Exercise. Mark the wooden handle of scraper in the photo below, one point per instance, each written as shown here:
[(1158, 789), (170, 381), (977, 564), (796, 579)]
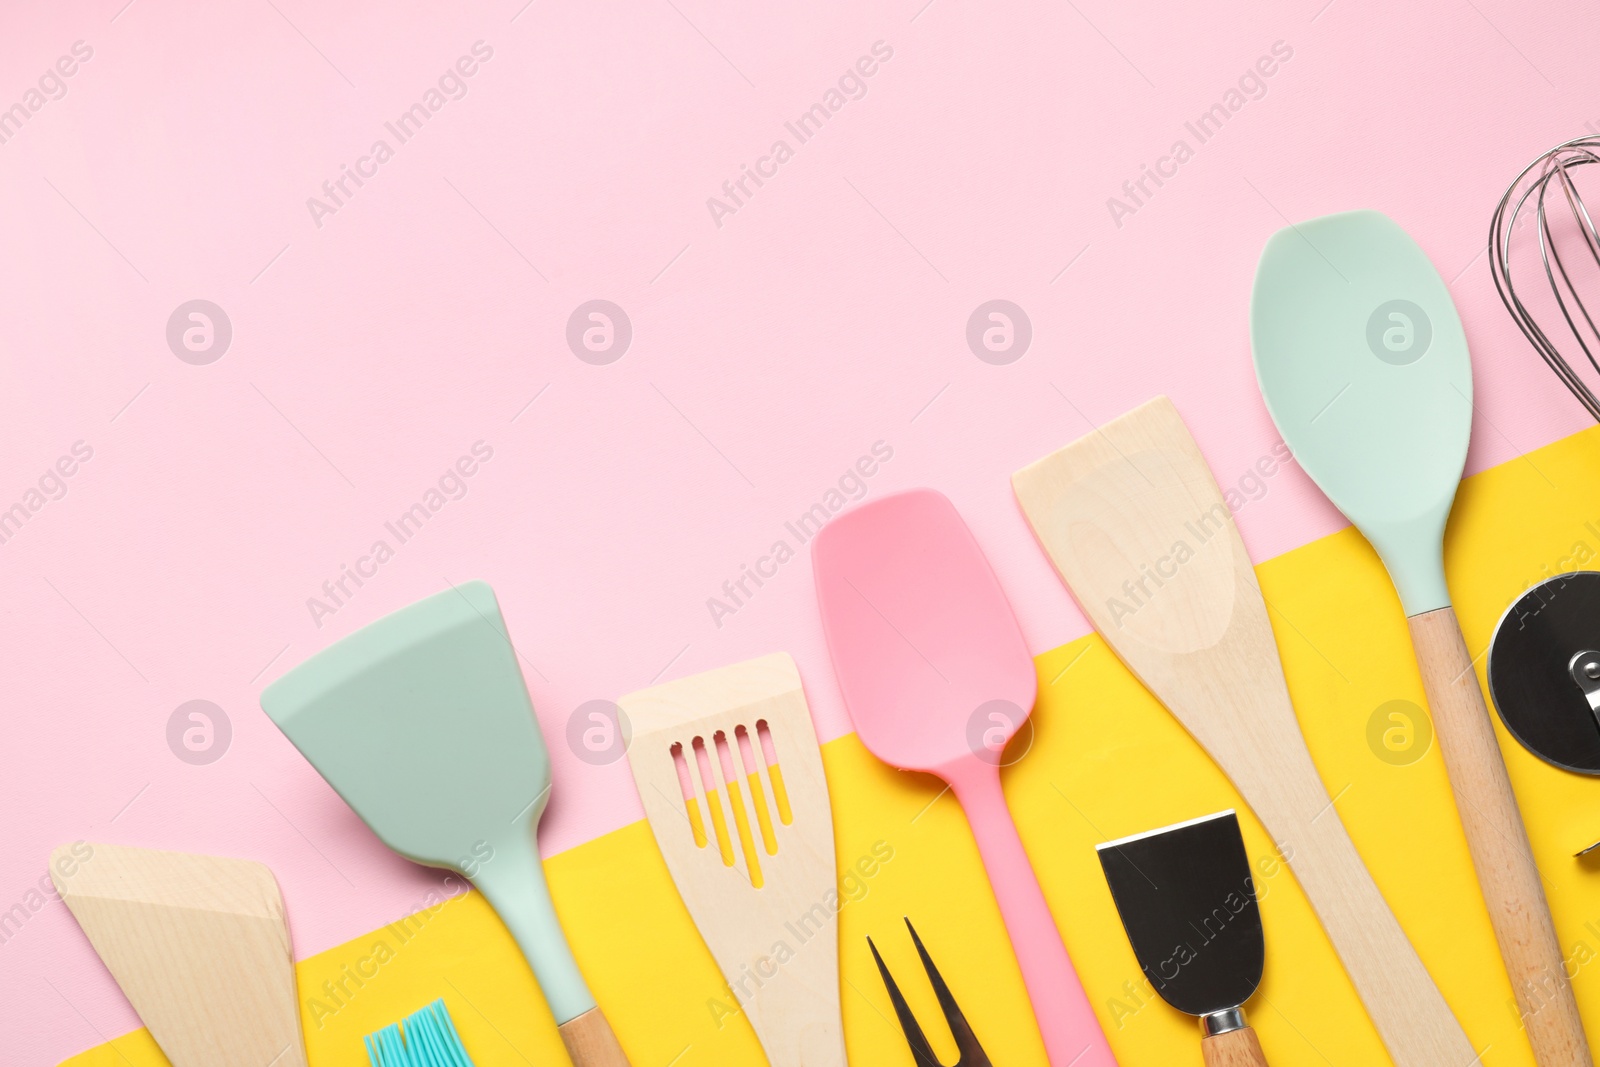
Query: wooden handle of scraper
[(1236, 1048), (1498, 842), (590, 1042)]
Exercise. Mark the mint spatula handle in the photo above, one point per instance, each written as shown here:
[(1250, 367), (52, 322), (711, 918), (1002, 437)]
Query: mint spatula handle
[(1498, 842), (513, 882), (1072, 1035)]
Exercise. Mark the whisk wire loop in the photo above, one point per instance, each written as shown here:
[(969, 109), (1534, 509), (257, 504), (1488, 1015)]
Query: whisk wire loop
[(1533, 184)]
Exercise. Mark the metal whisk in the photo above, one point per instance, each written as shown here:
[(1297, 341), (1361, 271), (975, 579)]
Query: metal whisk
[(1532, 191)]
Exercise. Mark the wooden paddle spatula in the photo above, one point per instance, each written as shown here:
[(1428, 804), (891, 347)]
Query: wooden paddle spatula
[(199, 946), (1135, 524), (422, 723), (730, 775), (1364, 366)]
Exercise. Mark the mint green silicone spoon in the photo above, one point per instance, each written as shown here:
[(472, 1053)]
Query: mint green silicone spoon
[(422, 723), (1364, 367)]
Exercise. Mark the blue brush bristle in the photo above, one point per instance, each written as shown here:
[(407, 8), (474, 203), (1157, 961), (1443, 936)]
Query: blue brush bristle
[(427, 1038)]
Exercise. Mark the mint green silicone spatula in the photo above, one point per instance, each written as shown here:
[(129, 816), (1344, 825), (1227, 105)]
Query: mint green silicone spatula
[(422, 723), (1364, 367)]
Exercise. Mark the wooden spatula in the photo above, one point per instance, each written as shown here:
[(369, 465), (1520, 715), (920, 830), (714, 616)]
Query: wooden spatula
[(1137, 528), (731, 779), (199, 946)]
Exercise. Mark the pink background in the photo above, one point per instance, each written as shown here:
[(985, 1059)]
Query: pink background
[(768, 354)]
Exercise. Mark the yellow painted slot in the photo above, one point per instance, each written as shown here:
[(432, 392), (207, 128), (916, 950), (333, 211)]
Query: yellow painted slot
[(769, 840), (758, 798), (697, 825), (708, 784), (736, 801), (780, 795)]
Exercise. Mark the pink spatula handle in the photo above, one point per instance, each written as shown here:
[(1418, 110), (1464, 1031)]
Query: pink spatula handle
[(1072, 1035)]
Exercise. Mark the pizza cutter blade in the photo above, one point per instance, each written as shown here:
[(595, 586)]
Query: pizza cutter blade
[(1544, 672)]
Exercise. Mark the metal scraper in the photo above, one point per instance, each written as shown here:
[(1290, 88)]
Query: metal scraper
[(1189, 905)]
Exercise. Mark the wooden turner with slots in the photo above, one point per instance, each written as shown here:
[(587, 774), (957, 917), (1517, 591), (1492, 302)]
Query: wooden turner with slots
[(731, 778)]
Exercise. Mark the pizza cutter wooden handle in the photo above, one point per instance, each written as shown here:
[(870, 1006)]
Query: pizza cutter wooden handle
[(1498, 842), (1236, 1048), (590, 1042)]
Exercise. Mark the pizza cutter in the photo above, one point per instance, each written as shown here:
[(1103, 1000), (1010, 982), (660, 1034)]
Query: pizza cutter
[(1544, 672)]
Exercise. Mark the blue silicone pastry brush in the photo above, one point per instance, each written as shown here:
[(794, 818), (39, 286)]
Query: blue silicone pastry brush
[(427, 1038)]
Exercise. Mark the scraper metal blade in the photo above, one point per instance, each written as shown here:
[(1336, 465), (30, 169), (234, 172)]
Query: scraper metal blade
[(1188, 902)]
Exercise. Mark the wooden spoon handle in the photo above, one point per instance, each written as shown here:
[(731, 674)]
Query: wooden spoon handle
[(590, 1042), (1498, 842), (1236, 1048)]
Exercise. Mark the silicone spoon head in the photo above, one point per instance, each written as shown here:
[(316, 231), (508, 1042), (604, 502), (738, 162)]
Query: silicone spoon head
[(928, 654), (422, 723), (1363, 364)]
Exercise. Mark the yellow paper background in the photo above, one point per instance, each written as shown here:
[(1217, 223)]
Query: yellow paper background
[(1106, 760)]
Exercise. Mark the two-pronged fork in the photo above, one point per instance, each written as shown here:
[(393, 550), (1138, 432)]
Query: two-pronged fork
[(972, 1054)]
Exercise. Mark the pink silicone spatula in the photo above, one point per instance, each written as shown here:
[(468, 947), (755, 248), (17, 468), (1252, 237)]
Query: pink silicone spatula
[(936, 676)]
